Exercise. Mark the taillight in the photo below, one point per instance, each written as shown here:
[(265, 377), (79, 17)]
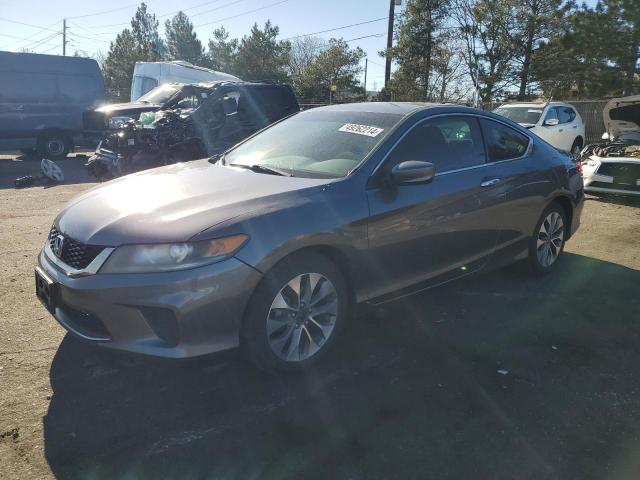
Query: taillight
[(579, 167)]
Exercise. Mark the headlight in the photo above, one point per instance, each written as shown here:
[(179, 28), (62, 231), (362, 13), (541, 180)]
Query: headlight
[(118, 122), (171, 256)]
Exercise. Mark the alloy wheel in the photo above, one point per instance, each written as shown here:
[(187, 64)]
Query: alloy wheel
[(302, 317), (550, 238)]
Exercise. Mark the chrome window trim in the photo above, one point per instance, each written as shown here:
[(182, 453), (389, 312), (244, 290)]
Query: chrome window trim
[(526, 153), (90, 269)]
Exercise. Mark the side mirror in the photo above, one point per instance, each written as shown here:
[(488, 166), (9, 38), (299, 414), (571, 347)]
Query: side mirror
[(412, 172), (230, 105), (552, 122)]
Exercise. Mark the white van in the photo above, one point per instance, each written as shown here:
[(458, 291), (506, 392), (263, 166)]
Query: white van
[(148, 75)]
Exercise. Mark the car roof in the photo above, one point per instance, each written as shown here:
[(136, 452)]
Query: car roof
[(397, 108)]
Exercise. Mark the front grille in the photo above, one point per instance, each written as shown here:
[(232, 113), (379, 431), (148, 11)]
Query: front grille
[(631, 170), (75, 254)]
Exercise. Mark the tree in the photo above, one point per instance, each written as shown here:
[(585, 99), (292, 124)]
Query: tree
[(535, 21), (597, 55), (260, 56), (417, 39), (118, 66), (222, 52), (303, 52), (182, 41), (339, 65), (144, 28), (488, 47), (140, 43)]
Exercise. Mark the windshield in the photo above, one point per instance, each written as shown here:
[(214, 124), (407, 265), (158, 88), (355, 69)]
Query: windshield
[(529, 115), (315, 143), (160, 94)]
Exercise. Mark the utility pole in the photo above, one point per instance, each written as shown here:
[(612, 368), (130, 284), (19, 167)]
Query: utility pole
[(387, 67), (64, 37), (366, 65)]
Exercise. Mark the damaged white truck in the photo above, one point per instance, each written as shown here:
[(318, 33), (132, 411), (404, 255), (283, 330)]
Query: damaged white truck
[(613, 165)]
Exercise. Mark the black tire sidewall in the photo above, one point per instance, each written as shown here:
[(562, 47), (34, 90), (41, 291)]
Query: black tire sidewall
[(254, 342), (43, 149), (534, 262)]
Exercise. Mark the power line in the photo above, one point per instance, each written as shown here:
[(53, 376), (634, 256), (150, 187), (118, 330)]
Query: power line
[(338, 28), (27, 24), (106, 11), (243, 13), (31, 44), (30, 37), (366, 36), (166, 14), (49, 49)]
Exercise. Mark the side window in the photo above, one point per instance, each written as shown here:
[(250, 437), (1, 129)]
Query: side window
[(449, 143), (566, 114), (503, 143), (552, 114)]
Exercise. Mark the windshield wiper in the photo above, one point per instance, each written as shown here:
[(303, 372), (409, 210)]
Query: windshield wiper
[(262, 169)]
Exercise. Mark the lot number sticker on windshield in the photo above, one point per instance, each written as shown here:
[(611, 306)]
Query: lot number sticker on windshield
[(361, 129)]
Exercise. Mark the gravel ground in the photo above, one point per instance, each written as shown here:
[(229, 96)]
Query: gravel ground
[(499, 376)]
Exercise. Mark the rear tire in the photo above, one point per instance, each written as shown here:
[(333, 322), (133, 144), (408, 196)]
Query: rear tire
[(285, 330), (547, 242), (54, 146)]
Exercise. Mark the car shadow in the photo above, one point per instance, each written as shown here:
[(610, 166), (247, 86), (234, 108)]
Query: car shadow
[(495, 376)]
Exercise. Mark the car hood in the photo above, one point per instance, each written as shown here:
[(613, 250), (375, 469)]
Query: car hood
[(132, 106), (174, 203), (622, 116)]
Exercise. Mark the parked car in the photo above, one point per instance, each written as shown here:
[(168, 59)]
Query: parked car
[(559, 124), (270, 246), (149, 75), (190, 122), (42, 98), (613, 165)]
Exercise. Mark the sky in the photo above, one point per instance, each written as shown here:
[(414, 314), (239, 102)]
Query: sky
[(92, 24)]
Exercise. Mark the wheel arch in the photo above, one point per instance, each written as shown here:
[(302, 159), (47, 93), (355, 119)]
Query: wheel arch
[(567, 205), (579, 139)]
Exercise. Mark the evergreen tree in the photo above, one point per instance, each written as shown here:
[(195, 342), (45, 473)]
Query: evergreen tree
[(182, 42)]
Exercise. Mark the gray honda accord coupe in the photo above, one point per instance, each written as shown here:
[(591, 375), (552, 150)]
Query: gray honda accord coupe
[(270, 246)]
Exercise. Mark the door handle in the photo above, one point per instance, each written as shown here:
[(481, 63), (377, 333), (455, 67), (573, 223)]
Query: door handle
[(489, 183)]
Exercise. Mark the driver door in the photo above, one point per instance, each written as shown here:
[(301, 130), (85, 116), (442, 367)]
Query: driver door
[(447, 226)]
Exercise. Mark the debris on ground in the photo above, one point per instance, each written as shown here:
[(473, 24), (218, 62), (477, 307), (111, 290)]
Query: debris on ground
[(502, 371), (14, 433), (50, 173)]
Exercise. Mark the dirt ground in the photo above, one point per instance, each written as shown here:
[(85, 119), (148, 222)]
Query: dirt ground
[(499, 376)]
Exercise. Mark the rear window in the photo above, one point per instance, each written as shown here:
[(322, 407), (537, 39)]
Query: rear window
[(503, 143)]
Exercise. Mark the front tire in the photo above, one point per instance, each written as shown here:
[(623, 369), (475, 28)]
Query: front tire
[(295, 314), (547, 242)]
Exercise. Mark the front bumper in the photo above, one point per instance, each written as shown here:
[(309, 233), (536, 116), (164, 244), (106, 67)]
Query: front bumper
[(598, 175), (170, 314)]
